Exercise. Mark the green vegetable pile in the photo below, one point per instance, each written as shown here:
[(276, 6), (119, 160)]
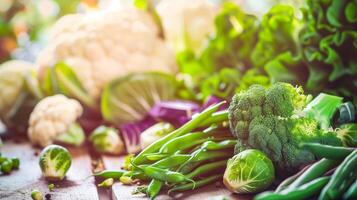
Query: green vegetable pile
[(316, 51), (8, 164), (184, 159), (332, 177)]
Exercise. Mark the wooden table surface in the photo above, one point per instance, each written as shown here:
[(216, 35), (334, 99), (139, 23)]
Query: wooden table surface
[(77, 185)]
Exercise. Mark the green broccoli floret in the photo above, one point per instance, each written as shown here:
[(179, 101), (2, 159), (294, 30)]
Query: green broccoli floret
[(244, 107), (270, 120)]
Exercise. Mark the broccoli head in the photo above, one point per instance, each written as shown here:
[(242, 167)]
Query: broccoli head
[(269, 120), (281, 99)]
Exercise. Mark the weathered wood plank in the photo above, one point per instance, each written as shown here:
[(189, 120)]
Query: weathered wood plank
[(120, 191), (20, 183)]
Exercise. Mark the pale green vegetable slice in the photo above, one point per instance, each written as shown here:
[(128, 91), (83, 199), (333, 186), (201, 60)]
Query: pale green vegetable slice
[(130, 98)]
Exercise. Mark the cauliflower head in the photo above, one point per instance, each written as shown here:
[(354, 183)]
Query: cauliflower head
[(104, 45), (187, 22), (12, 82), (51, 117)]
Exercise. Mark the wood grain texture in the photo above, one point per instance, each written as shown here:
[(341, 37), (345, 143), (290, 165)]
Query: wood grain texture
[(120, 191), (20, 183)]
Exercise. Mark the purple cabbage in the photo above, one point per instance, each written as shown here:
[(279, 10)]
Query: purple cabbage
[(211, 100), (174, 112), (131, 133)]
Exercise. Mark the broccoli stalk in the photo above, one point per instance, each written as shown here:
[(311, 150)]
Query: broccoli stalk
[(323, 108)]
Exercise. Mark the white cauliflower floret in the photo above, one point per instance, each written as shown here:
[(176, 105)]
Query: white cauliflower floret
[(187, 22), (51, 117), (105, 45)]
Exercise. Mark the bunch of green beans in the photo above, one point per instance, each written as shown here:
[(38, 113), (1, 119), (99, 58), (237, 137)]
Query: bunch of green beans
[(185, 159), (315, 181)]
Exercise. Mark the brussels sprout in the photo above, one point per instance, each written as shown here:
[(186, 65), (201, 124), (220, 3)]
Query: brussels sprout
[(36, 195), (250, 171), (154, 133), (106, 140), (55, 162)]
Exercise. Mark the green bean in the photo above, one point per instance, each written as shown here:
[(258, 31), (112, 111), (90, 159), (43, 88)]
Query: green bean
[(327, 151), (211, 145), (351, 192), (176, 160), (217, 117), (156, 156), (154, 188), (304, 191), (163, 175), (116, 174), (204, 169), (200, 183), (290, 180), (171, 161), (202, 152), (333, 189), (185, 142), (316, 170), (189, 126)]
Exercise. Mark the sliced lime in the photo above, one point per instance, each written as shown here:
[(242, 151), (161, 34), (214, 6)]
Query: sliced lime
[(130, 98)]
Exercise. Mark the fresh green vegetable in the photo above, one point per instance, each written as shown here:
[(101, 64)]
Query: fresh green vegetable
[(6, 166), (305, 191), (328, 43), (106, 183), (115, 174), (351, 192), (130, 98), (347, 113), (36, 195), (189, 126), (163, 175), (154, 188), (275, 35), (266, 119), (335, 187), (207, 168), (197, 184), (250, 171), (189, 140), (348, 134), (15, 163), (315, 171), (106, 140), (323, 108), (285, 183), (55, 161), (51, 187), (327, 151), (74, 135)]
